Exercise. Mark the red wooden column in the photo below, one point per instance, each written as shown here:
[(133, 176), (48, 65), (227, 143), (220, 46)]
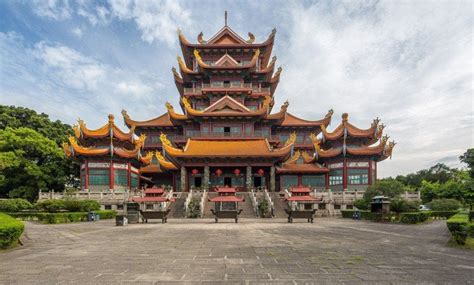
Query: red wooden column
[(344, 175), (327, 180), (129, 176), (370, 172), (86, 169), (111, 175)]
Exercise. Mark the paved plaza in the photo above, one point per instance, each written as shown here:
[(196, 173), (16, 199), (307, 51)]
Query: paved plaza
[(330, 251)]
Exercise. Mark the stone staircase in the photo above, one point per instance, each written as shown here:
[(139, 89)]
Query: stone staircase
[(247, 207), (280, 205), (177, 208)]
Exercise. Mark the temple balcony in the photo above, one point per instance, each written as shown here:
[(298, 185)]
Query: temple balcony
[(226, 87), (179, 139)]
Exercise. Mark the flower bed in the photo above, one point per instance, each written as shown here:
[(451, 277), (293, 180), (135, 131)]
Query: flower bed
[(10, 231)]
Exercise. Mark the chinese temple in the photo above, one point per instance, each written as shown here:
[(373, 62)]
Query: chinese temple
[(226, 131)]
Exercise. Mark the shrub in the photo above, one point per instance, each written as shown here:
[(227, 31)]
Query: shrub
[(471, 216), (459, 227), (263, 208), (399, 205), (443, 214), (444, 205), (89, 205), (50, 206), (14, 205), (10, 230), (194, 208), (347, 214), (414, 218), (106, 214), (362, 204), (73, 205)]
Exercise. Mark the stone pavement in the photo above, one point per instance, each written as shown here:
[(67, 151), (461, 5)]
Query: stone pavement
[(330, 251)]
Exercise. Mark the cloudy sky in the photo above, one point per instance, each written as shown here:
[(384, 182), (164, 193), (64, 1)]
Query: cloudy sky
[(408, 62)]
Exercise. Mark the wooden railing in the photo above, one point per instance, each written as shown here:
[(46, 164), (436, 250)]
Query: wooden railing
[(231, 86)]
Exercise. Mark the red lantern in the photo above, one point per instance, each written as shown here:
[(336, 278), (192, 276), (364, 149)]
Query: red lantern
[(237, 172), (218, 172), (261, 172), (194, 172)]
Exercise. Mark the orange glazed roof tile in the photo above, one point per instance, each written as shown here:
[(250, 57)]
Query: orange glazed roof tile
[(292, 120), (301, 168), (160, 121), (352, 130), (226, 148)]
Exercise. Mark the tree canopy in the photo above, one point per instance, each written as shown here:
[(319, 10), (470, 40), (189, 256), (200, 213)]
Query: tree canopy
[(31, 158)]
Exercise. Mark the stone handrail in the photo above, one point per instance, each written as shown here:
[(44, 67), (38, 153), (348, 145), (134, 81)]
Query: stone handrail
[(269, 200), (188, 200), (253, 199), (203, 202)]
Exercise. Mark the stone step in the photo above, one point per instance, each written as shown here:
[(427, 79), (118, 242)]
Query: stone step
[(280, 205), (177, 208)]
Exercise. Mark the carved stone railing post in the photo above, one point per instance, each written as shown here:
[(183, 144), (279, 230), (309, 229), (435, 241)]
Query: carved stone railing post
[(248, 178), (183, 178), (272, 179)]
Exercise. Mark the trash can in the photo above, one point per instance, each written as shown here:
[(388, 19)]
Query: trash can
[(121, 220), (91, 217), (356, 215), (97, 217)]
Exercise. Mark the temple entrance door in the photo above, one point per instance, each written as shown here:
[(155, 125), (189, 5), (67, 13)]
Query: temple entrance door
[(228, 181), (257, 181), (197, 181)]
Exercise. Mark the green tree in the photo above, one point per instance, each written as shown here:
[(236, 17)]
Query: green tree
[(387, 187), (29, 162), (468, 158), (17, 117)]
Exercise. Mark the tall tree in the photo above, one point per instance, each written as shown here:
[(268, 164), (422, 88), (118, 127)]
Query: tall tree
[(29, 162), (468, 158)]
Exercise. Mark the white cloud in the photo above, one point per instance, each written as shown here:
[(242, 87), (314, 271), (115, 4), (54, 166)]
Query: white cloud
[(408, 63), (77, 32), (56, 79), (157, 20), (54, 9)]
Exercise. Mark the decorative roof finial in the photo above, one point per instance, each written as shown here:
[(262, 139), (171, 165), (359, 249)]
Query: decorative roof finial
[(225, 18)]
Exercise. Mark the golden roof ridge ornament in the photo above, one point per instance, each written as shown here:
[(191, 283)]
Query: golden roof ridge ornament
[(200, 39), (251, 39), (291, 139), (164, 140)]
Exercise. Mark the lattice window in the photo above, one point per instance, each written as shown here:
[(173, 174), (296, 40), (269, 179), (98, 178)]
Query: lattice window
[(314, 180), (99, 177), (335, 177), (358, 176), (120, 177)]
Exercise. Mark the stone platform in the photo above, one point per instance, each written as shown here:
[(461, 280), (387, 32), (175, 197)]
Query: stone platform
[(330, 251)]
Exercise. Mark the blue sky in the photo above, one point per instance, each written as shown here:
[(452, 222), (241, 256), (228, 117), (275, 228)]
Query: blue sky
[(406, 62)]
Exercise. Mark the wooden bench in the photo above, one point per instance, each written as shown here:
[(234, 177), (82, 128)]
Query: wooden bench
[(155, 215), (309, 215), (226, 215)]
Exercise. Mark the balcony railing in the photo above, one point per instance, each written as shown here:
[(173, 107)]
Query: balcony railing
[(223, 135), (227, 86)]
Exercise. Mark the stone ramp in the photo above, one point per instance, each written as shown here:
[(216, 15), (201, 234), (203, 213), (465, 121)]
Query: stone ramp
[(280, 205), (247, 207), (177, 208)]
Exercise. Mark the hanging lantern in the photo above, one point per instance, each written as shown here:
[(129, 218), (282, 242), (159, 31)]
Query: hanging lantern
[(194, 172), (261, 172), (218, 172), (237, 172)]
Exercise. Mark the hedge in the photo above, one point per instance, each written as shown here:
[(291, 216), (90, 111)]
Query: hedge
[(10, 231), (14, 205), (414, 218), (443, 214), (59, 218), (460, 227), (70, 205), (406, 218)]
